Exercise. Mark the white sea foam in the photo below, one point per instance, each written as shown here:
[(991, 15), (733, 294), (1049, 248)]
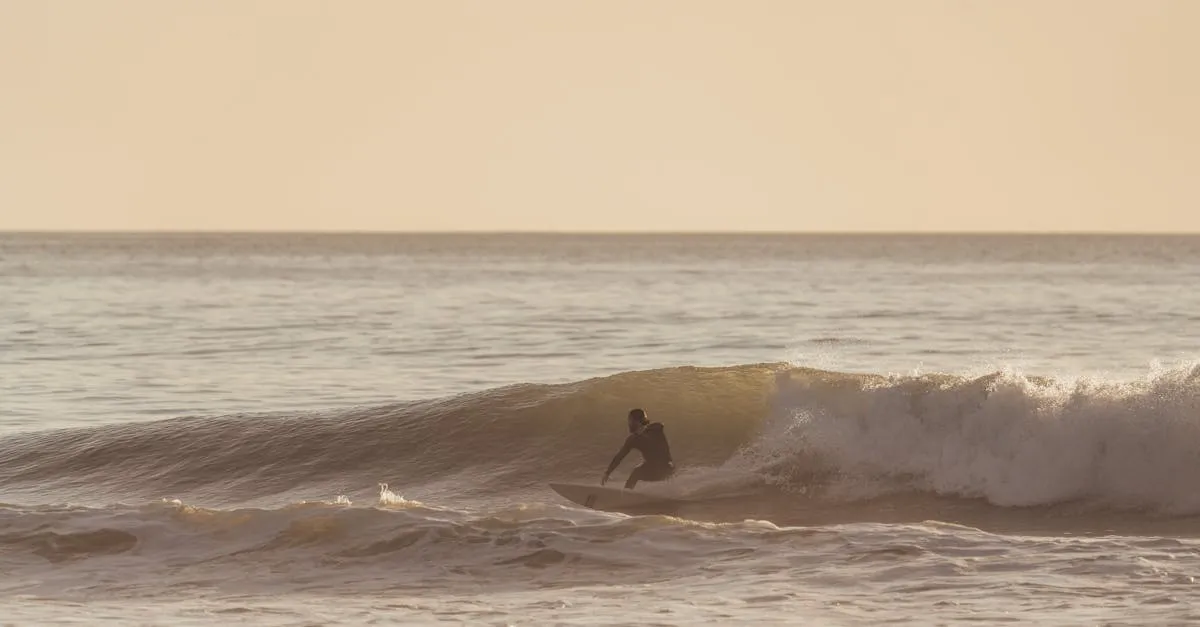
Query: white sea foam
[(1010, 439)]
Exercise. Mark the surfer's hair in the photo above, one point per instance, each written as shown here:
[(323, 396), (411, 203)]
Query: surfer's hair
[(638, 415)]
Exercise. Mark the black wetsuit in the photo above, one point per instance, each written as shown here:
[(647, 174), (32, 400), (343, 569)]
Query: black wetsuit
[(651, 442)]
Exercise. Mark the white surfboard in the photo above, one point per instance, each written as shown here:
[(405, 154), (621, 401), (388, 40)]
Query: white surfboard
[(605, 498)]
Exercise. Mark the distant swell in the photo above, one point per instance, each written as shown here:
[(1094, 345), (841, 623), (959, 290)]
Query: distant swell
[(782, 433)]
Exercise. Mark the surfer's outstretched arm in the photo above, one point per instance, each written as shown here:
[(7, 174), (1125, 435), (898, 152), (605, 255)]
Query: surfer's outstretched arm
[(616, 461)]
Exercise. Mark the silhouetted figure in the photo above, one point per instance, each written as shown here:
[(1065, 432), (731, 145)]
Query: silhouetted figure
[(648, 438)]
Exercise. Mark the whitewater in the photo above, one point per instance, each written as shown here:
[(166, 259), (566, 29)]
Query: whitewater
[(302, 429)]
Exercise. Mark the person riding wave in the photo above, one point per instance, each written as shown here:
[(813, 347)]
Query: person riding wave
[(648, 438)]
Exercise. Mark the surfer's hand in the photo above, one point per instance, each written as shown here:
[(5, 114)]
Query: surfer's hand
[(604, 479)]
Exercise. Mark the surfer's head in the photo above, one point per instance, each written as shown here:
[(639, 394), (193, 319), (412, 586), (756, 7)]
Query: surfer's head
[(637, 420)]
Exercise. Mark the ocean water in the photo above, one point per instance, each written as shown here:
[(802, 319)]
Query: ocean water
[(358, 429)]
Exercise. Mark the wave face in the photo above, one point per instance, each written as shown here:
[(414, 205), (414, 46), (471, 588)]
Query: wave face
[(493, 442), (775, 435)]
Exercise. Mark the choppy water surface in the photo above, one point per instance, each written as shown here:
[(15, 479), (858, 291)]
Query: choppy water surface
[(927, 429)]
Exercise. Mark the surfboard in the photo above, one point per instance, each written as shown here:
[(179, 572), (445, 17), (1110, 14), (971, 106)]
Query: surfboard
[(611, 499)]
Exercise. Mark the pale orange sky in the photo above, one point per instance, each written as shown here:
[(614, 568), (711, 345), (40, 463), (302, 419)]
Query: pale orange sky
[(840, 115)]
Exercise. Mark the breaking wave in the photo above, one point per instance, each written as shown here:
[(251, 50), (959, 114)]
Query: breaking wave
[(769, 432)]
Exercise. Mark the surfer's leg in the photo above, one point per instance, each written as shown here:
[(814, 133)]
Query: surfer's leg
[(649, 473)]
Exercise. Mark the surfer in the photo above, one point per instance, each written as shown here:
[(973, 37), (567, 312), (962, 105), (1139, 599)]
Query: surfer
[(648, 438)]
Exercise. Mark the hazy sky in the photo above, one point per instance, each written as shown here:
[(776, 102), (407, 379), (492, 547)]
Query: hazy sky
[(602, 114)]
